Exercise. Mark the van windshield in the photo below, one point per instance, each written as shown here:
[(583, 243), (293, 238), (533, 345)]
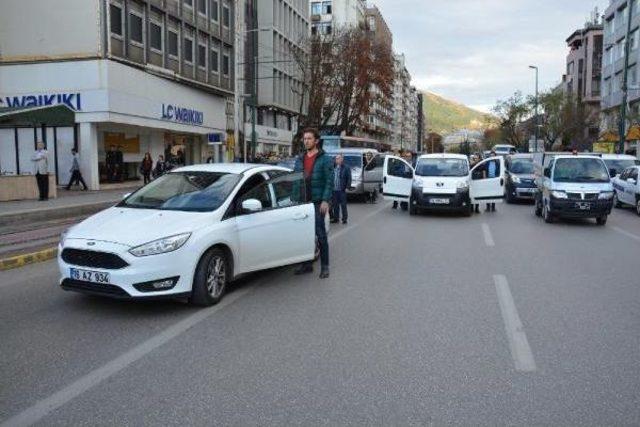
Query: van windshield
[(580, 170), (522, 167), (442, 167)]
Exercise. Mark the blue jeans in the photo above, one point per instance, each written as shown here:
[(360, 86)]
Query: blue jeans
[(340, 203), (321, 235)]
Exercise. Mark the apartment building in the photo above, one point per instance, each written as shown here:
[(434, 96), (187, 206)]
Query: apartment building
[(615, 37), (405, 107), (328, 15), (274, 40), (138, 75)]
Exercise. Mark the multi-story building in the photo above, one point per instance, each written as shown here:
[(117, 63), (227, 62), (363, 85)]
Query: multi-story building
[(274, 43), (329, 15), (405, 100), (137, 75), (584, 71), (615, 38)]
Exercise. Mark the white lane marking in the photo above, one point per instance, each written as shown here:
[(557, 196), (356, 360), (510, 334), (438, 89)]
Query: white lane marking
[(488, 238), (520, 349), (42, 408), (626, 233)]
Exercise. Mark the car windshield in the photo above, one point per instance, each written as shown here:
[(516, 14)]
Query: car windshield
[(580, 170), (442, 167), (184, 191), (522, 167), (616, 166)]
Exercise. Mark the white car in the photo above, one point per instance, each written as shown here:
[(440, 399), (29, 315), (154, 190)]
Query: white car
[(443, 182), (190, 232), (627, 188)]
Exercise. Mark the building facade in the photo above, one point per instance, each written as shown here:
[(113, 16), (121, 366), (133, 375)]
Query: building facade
[(140, 76), (329, 15), (275, 34), (405, 108), (615, 38)]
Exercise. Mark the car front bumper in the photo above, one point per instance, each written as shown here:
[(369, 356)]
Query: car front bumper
[(137, 278), (523, 191), (578, 208), (457, 201)]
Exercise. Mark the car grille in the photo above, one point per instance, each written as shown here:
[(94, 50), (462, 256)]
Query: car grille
[(94, 288), (93, 259), (578, 196)]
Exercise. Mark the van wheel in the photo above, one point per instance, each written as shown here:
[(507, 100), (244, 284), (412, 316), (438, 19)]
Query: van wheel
[(638, 207), (601, 220), (546, 214), (538, 210), (211, 278)]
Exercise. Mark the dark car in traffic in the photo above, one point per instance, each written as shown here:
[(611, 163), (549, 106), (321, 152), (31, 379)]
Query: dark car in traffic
[(520, 178)]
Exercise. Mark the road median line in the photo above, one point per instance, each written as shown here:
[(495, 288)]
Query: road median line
[(18, 261)]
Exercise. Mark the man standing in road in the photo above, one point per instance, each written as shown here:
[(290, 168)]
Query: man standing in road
[(41, 164), (341, 181), (76, 175), (492, 173), (318, 177)]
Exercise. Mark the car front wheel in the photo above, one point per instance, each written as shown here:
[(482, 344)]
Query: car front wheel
[(210, 281)]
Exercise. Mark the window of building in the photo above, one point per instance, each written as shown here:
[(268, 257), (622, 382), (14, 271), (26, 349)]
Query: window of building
[(634, 40), (188, 50), (155, 36), (226, 16), (135, 28), (215, 61), (115, 19), (172, 43), (188, 3), (225, 64), (314, 30), (316, 8), (633, 76), (202, 56), (202, 7), (215, 10), (326, 7)]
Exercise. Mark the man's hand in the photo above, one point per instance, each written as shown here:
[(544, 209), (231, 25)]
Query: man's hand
[(324, 208)]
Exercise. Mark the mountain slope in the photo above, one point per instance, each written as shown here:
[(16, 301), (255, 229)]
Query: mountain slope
[(445, 116)]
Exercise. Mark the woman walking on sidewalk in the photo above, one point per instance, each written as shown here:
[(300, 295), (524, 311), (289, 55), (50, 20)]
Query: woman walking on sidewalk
[(146, 167)]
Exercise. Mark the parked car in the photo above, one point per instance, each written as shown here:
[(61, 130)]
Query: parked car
[(366, 170), (504, 149), (574, 187), (520, 178), (616, 163), (191, 232), (443, 182), (627, 188)]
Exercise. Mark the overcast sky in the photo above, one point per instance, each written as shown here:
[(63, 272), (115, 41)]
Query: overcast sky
[(478, 51)]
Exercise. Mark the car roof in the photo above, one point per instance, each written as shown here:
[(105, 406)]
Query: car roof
[(352, 151), (571, 156), (618, 156), (234, 168), (521, 156), (443, 156)]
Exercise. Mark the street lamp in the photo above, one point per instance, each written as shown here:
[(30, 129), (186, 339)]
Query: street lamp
[(533, 67)]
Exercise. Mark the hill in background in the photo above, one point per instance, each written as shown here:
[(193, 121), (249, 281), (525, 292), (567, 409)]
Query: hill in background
[(445, 116)]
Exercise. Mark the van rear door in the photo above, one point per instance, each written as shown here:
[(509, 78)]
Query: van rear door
[(487, 181)]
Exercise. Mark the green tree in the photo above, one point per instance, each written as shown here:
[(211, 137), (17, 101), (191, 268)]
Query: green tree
[(511, 113)]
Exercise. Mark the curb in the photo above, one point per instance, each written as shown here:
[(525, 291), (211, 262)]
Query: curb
[(54, 213), (26, 259)]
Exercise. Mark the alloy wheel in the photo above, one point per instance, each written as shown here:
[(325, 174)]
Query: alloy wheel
[(216, 276)]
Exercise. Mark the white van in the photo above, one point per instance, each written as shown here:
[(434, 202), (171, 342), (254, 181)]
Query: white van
[(443, 182)]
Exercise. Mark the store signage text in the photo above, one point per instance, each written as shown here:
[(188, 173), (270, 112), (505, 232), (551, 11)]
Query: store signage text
[(71, 100), (182, 115)]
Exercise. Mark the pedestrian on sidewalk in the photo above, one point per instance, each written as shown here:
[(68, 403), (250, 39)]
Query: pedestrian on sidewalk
[(76, 175), (317, 169), (161, 167), (111, 161), (41, 166), (341, 182), (146, 167)]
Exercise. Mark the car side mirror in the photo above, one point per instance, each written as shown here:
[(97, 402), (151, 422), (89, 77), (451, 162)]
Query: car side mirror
[(251, 206), (547, 172), (124, 196)]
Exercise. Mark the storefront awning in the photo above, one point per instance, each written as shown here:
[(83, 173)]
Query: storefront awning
[(633, 134), (52, 115)]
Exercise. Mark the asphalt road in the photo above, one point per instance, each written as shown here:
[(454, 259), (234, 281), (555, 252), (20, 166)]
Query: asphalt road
[(498, 319)]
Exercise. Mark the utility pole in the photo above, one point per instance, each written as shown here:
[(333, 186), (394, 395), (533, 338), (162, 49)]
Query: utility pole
[(623, 106), (537, 130), (254, 112), (239, 49)]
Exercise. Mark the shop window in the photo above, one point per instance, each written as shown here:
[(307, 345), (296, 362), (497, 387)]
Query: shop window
[(172, 43), (188, 50), (115, 19), (135, 28), (155, 36)]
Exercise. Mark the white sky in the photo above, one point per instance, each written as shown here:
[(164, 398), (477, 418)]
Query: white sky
[(478, 51)]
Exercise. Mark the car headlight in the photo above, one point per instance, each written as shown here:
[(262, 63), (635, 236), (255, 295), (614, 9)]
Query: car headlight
[(559, 194), (161, 246), (606, 195), (516, 179), (462, 186)]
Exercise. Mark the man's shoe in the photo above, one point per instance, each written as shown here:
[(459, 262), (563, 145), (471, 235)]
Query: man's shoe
[(334, 221), (303, 269), (344, 221), (324, 274)]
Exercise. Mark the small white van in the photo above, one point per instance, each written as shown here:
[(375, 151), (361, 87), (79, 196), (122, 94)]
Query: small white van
[(443, 182)]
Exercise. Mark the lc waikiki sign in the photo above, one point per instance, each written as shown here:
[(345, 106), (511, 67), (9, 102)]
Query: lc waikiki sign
[(182, 115), (71, 100)]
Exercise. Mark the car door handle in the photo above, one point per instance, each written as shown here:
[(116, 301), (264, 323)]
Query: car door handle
[(501, 182), (300, 216), (385, 180)]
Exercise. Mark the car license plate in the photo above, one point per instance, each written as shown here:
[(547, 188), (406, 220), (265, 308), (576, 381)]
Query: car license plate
[(529, 190), (89, 276), (439, 201), (584, 206)]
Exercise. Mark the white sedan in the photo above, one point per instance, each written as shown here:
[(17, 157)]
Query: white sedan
[(190, 232)]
